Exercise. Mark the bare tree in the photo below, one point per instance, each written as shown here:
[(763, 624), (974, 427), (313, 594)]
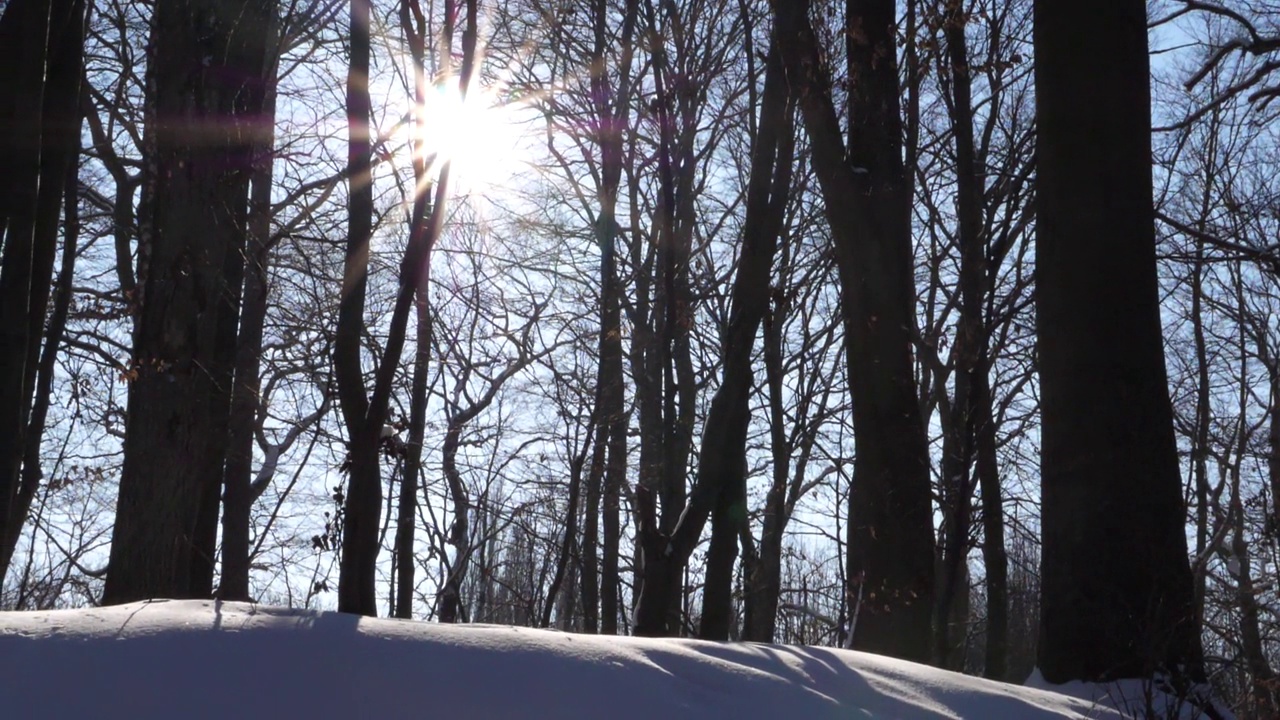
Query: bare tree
[(199, 158), (41, 129), (890, 527)]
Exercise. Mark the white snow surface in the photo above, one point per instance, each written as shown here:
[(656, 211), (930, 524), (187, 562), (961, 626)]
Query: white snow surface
[(198, 659)]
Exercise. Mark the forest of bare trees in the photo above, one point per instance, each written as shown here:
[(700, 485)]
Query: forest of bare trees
[(942, 329)]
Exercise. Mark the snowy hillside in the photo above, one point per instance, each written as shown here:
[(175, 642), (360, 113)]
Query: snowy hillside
[(195, 659)]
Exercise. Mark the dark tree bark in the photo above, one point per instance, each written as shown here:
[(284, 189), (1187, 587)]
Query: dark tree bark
[(32, 472), (459, 531), (205, 87), (1200, 441), (995, 558), (564, 561), (793, 434), (589, 554), (764, 582), (27, 272), (655, 376), (239, 489), (413, 23), (970, 349), (721, 482), (356, 592), (406, 513), (24, 29), (610, 463), (1116, 589), (365, 415), (890, 560), (728, 517), (1273, 444), (666, 387), (1262, 677)]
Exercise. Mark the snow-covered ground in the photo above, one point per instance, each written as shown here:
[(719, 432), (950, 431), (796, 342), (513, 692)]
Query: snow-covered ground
[(194, 659)]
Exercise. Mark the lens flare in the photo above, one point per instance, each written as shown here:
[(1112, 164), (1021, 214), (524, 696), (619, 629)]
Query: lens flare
[(477, 135)]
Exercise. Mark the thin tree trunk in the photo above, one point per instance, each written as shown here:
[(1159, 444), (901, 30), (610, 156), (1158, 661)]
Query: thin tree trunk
[(1239, 564), (356, 593), (564, 561), (1261, 674), (1273, 439), (612, 112), (239, 493), (667, 439), (32, 472), (764, 585), (450, 604), (414, 26), (365, 415), (663, 466), (995, 559), (970, 349), (406, 517), (615, 476), (721, 477), (614, 439), (590, 572), (1200, 443), (459, 531)]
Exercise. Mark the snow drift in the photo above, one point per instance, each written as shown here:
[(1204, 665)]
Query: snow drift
[(196, 659)]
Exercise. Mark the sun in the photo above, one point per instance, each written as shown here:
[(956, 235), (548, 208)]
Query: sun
[(477, 135)]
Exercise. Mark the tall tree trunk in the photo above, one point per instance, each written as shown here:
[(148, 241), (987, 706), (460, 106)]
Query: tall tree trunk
[(1262, 677), (414, 26), (364, 415), (667, 418), (450, 596), (612, 113), (203, 138), (24, 32), (356, 593), (613, 415), (615, 476), (1117, 596), (890, 532), (1273, 445), (1265, 689), (32, 472), (970, 349), (1200, 442), (239, 492), (1236, 553), (30, 270), (657, 397), (721, 483)]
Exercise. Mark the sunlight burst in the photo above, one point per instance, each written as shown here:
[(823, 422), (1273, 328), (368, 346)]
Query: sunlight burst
[(477, 135)]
